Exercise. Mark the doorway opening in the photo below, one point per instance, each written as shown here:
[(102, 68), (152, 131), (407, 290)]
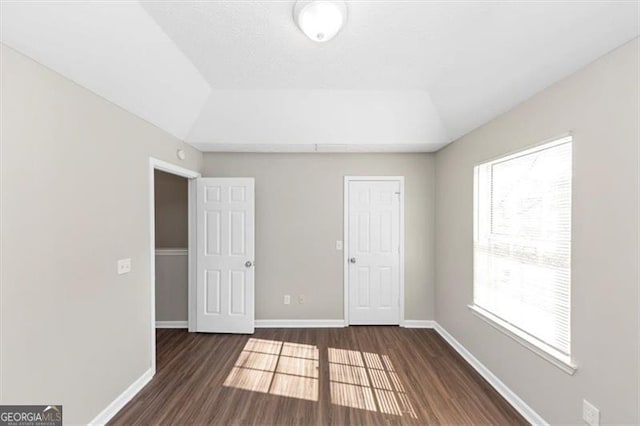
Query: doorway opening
[(172, 247), (374, 250)]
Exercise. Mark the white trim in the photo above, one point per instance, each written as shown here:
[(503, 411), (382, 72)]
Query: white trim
[(527, 412), (547, 353), (283, 323), (316, 148), (345, 253), (402, 195), (172, 324), (172, 168), (418, 324), (193, 247), (532, 147), (345, 238), (120, 401), (172, 252), (156, 164)]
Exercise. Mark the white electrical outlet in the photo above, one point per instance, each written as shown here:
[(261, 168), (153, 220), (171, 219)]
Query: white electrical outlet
[(124, 266), (301, 299), (338, 245), (287, 299), (590, 414)]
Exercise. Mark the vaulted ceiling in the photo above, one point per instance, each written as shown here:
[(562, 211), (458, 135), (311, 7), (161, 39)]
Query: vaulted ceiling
[(240, 76)]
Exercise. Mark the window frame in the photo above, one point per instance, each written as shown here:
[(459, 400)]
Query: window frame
[(539, 347)]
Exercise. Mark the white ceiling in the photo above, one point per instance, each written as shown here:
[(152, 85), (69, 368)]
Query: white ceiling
[(239, 75)]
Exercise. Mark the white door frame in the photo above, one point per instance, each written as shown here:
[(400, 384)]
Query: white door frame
[(347, 180), (156, 164)]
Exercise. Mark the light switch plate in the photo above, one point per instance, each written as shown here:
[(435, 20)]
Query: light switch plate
[(287, 299), (124, 266), (338, 245)]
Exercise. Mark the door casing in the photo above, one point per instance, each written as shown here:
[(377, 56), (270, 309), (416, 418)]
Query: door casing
[(347, 181), (156, 164)]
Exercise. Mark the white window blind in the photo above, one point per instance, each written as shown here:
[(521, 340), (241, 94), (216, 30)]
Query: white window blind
[(522, 243)]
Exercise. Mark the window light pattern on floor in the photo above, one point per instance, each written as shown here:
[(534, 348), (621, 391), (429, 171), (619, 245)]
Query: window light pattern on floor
[(367, 381), (277, 368)]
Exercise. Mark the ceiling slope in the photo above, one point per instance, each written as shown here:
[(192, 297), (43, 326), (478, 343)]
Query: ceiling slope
[(115, 50), (337, 118)]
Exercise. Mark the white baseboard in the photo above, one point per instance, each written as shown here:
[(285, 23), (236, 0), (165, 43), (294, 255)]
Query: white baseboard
[(299, 323), (330, 323), (418, 324), (527, 412), (126, 396), (172, 324)]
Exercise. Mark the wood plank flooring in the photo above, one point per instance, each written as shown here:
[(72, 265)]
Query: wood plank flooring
[(338, 376)]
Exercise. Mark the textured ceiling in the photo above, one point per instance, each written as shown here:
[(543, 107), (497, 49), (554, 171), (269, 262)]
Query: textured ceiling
[(409, 73), (391, 45)]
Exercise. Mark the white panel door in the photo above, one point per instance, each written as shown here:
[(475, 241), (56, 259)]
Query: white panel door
[(225, 239), (374, 252)]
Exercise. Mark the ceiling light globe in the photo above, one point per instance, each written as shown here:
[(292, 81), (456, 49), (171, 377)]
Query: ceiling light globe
[(320, 20)]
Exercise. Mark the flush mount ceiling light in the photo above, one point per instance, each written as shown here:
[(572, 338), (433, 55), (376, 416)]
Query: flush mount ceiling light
[(320, 20)]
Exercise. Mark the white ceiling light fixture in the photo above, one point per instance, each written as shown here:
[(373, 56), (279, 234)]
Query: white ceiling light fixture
[(320, 20)]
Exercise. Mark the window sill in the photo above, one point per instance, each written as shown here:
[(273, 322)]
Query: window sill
[(558, 359)]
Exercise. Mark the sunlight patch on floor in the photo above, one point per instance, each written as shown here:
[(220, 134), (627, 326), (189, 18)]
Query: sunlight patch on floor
[(367, 381), (278, 368), (362, 380)]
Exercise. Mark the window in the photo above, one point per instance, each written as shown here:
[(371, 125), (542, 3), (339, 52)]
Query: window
[(522, 246)]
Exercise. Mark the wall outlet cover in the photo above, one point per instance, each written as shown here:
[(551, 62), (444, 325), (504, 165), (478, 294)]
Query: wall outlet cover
[(124, 266), (590, 414)]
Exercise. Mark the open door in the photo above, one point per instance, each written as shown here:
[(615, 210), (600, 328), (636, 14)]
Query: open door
[(225, 255)]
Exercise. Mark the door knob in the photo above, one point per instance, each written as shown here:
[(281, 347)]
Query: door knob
[(352, 260), (248, 264)]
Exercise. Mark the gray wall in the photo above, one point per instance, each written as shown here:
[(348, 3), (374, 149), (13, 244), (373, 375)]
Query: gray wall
[(599, 104), (172, 210), (171, 221), (172, 286), (75, 199), (299, 217)]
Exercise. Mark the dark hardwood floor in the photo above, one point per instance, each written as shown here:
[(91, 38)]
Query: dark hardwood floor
[(338, 376)]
